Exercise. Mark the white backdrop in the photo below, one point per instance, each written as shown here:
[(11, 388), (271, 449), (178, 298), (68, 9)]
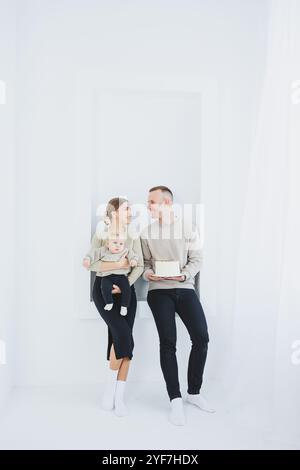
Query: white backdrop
[(190, 44)]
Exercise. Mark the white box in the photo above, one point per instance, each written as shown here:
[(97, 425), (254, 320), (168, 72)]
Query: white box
[(167, 268)]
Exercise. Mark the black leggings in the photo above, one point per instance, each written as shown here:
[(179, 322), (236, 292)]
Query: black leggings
[(119, 327), (120, 280), (163, 304)]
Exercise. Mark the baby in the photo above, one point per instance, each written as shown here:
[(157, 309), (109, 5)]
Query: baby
[(113, 250)]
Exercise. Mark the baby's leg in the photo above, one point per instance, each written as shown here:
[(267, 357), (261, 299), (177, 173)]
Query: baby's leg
[(125, 294), (106, 288)]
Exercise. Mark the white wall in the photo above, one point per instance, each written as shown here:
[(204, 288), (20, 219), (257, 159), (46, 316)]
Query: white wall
[(61, 40), (7, 209)]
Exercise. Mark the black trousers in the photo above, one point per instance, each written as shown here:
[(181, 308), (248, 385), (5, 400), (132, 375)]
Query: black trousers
[(163, 304), (107, 285), (119, 327)]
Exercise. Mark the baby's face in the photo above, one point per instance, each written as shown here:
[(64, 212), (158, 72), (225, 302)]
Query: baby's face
[(116, 245)]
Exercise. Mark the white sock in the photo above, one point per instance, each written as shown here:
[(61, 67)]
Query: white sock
[(109, 389), (120, 407), (176, 415), (123, 311), (108, 306), (199, 400)]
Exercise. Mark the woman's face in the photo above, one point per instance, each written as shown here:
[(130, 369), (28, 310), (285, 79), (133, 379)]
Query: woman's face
[(124, 213)]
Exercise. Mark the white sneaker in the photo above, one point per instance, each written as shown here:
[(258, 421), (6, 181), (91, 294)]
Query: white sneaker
[(199, 401)]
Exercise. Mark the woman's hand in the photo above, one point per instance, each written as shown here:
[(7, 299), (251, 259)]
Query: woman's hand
[(116, 289), (86, 262)]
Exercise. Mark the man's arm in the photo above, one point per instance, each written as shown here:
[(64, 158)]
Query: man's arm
[(148, 266), (194, 256)]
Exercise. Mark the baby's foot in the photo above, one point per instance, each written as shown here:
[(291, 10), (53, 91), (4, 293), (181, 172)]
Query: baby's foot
[(123, 311), (108, 306)]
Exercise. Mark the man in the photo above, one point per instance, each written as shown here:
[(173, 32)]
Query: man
[(169, 238)]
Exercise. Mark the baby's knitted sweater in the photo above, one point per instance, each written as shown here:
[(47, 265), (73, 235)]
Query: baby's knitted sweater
[(103, 253)]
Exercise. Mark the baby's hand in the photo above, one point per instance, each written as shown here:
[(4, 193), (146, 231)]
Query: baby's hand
[(86, 262), (133, 263)]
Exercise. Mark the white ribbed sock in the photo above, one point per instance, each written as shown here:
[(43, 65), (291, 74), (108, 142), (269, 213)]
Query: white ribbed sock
[(120, 407), (109, 389), (200, 402), (108, 306), (176, 415)]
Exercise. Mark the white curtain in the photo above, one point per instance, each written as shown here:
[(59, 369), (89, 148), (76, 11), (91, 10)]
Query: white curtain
[(264, 375)]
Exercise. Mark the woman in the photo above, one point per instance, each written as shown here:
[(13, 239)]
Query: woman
[(120, 339)]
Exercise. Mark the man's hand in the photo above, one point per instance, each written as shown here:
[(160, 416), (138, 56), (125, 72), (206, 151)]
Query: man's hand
[(116, 289), (176, 278), (151, 277), (123, 263)]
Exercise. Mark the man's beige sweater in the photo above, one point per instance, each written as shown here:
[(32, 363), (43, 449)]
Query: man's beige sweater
[(178, 241)]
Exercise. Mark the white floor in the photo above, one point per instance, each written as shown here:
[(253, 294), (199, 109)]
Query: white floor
[(71, 418)]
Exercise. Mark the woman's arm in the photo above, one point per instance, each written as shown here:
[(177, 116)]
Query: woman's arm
[(102, 266), (94, 254), (137, 271), (94, 251)]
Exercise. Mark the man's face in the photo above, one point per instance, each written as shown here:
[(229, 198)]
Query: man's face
[(155, 202)]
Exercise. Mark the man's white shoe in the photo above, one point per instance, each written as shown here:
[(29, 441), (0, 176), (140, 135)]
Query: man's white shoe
[(199, 401), (176, 415)]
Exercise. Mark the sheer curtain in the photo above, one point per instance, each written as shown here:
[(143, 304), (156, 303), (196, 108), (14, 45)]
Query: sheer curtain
[(264, 375)]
